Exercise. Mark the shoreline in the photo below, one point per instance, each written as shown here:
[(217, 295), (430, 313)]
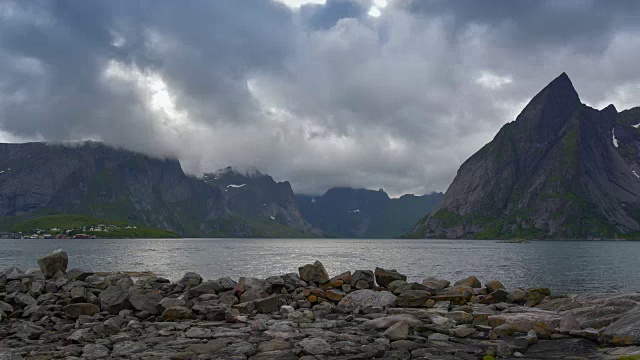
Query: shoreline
[(55, 313)]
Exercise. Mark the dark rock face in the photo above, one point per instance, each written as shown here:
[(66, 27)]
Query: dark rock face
[(561, 170), (97, 180), (258, 197), (347, 212), (314, 272)]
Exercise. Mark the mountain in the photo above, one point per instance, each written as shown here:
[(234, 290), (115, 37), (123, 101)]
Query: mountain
[(561, 170), (347, 212), (257, 196), (38, 179)]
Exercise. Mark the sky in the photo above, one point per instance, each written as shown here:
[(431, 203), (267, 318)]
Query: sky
[(391, 94)]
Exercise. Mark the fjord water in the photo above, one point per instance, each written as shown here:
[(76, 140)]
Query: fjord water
[(563, 266)]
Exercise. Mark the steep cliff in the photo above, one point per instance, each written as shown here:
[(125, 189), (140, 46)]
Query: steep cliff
[(561, 170)]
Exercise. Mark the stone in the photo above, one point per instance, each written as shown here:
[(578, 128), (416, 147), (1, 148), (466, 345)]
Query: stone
[(78, 294), (127, 348), (345, 277), (79, 274), (365, 276), (398, 331), (25, 300), (314, 273), (268, 305), (460, 317), (95, 351), (9, 355), (462, 332), (210, 347), (471, 282), (388, 321), (435, 284), (385, 277), (190, 280), (226, 283), (115, 299), (80, 335), (442, 321), (145, 301), (29, 331), (398, 285), (493, 285), (438, 337), (204, 288), (542, 322), (367, 298), (176, 313), (499, 295), (413, 298), (6, 307), (170, 302), (624, 331), (272, 345), (75, 310), (335, 295), (362, 284), (315, 346), (54, 262)]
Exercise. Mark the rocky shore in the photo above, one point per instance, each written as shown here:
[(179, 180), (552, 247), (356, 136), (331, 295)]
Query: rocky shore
[(55, 313)]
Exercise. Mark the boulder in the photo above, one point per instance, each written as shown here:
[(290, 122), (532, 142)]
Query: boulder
[(268, 305), (314, 273), (145, 301), (205, 288), (624, 331), (190, 280), (493, 285), (367, 299), (398, 331), (471, 282), (366, 276), (54, 262), (176, 313), (334, 295), (435, 284), (413, 298), (388, 321), (29, 331), (170, 302), (95, 351), (542, 322), (74, 311), (386, 277), (226, 283), (315, 346), (115, 299)]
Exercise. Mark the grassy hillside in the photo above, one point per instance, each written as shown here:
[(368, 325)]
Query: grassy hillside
[(77, 222)]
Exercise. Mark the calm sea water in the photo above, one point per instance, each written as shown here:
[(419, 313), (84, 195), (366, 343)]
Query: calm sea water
[(563, 266)]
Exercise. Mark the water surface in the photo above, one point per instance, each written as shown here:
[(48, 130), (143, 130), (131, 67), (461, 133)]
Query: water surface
[(563, 266)]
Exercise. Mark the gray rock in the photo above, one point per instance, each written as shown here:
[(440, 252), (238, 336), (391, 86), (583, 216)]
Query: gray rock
[(385, 277), (25, 300), (128, 348), (95, 351), (398, 331), (29, 331), (226, 283), (274, 344), (493, 285), (144, 301), (367, 298), (314, 273), (438, 337), (6, 307), (624, 331), (388, 321), (170, 302), (207, 287), (315, 346), (74, 311), (471, 282), (9, 355), (176, 313), (190, 279), (413, 298), (114, 299), (363, 275), (54, 262), (268, 305)]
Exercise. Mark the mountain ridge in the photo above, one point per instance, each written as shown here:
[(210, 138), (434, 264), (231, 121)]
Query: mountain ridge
[(560, 170)]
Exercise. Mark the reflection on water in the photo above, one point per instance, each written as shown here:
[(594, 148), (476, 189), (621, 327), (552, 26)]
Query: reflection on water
[(564, 266)]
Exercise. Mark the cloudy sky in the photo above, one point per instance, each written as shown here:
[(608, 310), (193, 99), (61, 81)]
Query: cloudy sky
[(365, 93)]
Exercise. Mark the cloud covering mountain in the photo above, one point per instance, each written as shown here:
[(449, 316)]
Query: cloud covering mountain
[(391, 94)]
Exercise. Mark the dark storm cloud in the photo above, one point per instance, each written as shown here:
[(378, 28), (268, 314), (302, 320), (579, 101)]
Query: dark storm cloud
[(322, 95)]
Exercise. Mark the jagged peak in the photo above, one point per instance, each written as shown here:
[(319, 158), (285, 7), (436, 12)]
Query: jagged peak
[(610, 110), (562, 85)]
